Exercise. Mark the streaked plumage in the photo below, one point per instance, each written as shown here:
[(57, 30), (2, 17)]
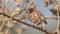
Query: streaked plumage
[(36, 16)]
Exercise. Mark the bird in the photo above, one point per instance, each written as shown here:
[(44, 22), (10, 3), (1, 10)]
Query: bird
[(36, 16), (54, 10)]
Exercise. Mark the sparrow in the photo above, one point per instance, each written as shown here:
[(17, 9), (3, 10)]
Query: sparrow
[(36, 16)]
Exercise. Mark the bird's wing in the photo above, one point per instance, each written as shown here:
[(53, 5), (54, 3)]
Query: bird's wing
[(42, 17), (39, 14), (34, 16)]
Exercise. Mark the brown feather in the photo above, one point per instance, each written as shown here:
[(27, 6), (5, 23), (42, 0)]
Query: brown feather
[(35, 16)]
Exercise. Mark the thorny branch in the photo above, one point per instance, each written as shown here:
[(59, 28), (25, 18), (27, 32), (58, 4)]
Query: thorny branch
[(25, 23)]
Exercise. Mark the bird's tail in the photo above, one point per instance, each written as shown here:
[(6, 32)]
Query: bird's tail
[(44, 23)]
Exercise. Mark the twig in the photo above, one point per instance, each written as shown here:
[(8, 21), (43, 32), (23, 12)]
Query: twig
[(57, 29), (52, 17), (2, 25)]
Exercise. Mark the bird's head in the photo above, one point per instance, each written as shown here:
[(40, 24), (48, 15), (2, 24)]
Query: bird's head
[(32, 7)]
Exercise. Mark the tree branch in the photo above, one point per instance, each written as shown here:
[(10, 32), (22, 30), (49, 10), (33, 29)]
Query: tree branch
[(25, 23)]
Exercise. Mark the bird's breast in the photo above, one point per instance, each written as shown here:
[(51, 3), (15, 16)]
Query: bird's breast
[(34, 17)]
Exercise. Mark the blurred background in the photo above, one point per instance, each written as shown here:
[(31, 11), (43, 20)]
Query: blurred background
[(51, 26)]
